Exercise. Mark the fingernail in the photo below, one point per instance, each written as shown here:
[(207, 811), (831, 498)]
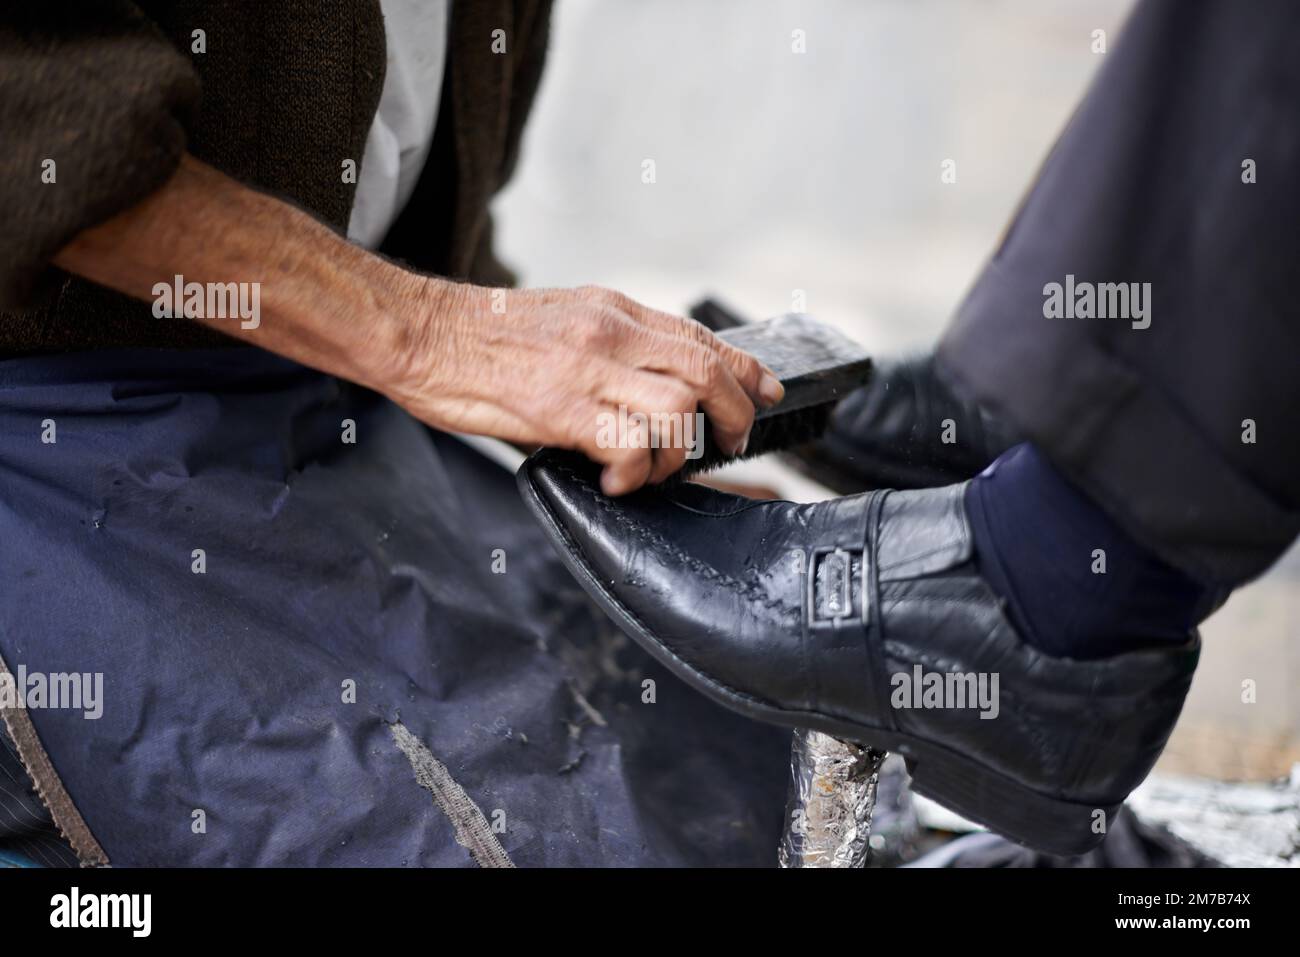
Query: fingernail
[(744, 443), (610, 483), (770, 388)]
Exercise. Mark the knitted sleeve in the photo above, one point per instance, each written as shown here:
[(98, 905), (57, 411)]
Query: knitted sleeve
[(94, 102)]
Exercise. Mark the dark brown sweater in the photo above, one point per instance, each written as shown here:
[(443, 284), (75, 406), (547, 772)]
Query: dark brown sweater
[(114, 92)]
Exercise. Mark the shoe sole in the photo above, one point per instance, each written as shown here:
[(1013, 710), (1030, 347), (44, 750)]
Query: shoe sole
[(956, 781)]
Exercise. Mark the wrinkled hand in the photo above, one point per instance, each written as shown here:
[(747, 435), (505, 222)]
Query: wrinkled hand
[(543, 367)]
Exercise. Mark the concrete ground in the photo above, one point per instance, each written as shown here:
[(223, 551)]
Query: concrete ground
[(786, 180)]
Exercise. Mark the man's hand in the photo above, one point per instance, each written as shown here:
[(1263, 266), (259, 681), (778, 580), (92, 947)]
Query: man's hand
[(545, 366), (540, 372)]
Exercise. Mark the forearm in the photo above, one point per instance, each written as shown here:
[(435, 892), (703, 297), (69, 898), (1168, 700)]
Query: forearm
[(543, 367), (323, 301)]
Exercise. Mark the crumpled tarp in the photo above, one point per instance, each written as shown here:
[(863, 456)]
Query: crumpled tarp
[(900, 837), (377, 563), (1131, 842)]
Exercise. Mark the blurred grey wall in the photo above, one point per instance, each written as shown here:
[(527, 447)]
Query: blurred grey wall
[(777, 170)]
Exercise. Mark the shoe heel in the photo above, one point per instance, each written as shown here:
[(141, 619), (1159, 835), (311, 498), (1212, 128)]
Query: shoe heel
[(1012, 810)]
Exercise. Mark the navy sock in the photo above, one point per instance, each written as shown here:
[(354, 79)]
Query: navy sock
[(1042, 544)]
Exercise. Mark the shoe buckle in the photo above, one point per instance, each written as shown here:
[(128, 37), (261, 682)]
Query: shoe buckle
[(830, 584)]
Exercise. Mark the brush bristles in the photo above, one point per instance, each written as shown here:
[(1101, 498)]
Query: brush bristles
[(775, 433)]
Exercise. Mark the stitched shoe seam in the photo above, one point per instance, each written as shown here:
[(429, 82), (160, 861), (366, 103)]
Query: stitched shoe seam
[(751, 592), (634, 617)]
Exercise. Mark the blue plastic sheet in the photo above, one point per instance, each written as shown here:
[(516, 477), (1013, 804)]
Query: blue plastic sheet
[(199, 532)]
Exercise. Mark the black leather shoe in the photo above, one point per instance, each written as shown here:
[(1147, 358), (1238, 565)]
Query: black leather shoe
[(865, 617), (891, 434)]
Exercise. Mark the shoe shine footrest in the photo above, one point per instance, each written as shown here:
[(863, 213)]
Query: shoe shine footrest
[(831, 798)]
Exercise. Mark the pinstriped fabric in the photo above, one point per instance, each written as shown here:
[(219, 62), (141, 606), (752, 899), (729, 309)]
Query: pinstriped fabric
[(25, 825)]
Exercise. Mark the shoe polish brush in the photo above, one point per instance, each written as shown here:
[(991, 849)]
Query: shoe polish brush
[(817, 365)]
